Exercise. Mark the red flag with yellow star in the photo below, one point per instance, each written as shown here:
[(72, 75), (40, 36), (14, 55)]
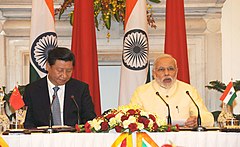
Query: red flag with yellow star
[(16, 100)]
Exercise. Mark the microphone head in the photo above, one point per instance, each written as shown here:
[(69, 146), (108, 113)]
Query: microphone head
[(187, 92), (74, 100), (157, 93)]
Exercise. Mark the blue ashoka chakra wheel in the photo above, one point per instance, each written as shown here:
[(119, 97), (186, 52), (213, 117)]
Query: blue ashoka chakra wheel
[(40, 48), (135, 50)]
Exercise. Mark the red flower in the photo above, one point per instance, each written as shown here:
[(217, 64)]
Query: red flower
[(155, 127), (177, 127), (124, 117), (169, 129), (144, 120), (119, 129), (87, 127), (141, 119), (110, 116), (133, 127), (104, 126), (77, 128), (131, 112), (138, 111), (152, 117)]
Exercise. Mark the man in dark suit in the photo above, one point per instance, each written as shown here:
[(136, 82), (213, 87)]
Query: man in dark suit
[(40, 97)]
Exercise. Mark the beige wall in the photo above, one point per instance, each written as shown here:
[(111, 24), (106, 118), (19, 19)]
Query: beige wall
[(231, 44), (203, 23)]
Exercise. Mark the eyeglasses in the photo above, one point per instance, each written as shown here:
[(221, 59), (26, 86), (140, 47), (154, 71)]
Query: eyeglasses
[(163, 69)]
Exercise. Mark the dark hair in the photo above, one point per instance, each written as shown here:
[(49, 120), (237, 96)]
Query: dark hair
[(60, 53)]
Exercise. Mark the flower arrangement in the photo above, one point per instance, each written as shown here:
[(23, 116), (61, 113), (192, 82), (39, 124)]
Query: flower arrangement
[(126, 120), (107, 10)]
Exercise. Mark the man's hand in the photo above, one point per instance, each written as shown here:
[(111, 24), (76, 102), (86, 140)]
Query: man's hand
[(191, 121)]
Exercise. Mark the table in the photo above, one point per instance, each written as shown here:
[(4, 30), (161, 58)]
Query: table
[(183, 138)]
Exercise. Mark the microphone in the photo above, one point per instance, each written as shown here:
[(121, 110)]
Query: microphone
[(199, 127), (50, 128), (78, 116), (169, 120)]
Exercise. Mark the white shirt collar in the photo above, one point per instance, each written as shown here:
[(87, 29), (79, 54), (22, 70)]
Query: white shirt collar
[(51, 85), (60, 92)]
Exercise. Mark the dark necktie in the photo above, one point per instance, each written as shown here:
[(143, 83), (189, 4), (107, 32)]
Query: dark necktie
[(56, 108)]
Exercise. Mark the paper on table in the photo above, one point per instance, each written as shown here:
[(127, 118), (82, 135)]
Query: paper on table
[(180, 122)]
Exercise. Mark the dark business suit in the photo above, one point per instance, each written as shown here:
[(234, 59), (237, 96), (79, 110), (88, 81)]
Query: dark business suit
[(36, 97)]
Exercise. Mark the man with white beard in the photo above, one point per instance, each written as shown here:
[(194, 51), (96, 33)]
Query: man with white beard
[(173, 92)]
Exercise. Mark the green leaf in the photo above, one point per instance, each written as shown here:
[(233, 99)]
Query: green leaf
[(60, 13), (108, 23), (71, 18), (155, 1), (220, 86), (216, 85), (98, 8), (96, 23), (236, 85), (117, 17)]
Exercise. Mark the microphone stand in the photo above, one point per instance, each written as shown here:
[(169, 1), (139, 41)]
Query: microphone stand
[(169, 120), (78, 116), (50, 129), (199, 127)]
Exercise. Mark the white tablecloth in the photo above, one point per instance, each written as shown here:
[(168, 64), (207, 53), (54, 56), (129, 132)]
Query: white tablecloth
[(183, 139)]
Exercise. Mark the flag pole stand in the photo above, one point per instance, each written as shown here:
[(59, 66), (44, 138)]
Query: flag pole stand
[(16, 120), (225, 114)]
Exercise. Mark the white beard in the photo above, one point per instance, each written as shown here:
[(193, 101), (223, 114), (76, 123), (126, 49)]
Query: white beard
[(166, 86)]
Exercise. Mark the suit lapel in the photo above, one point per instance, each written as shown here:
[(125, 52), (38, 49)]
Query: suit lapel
[(43, 87)]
